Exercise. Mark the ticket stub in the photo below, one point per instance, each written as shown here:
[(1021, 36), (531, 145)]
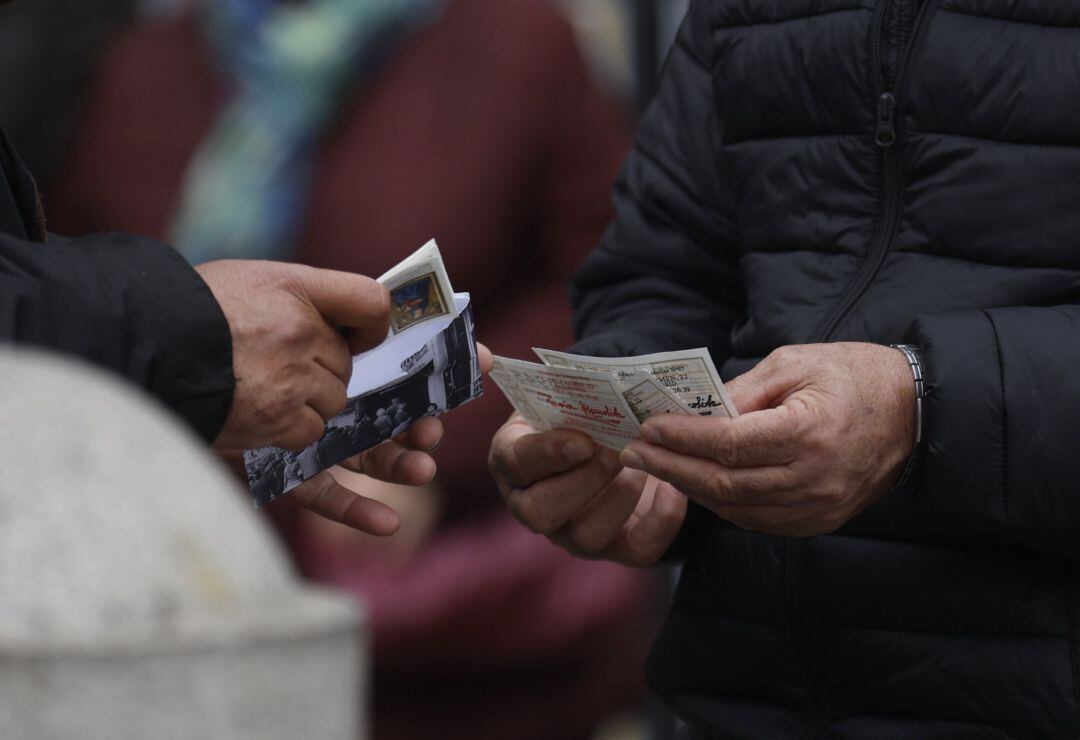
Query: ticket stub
[(552, 397), (645, 397), (689, 375)]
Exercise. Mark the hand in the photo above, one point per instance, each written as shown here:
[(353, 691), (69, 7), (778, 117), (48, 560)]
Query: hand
[(561, 484), (419, 509), (291, 360), (404, 460), (825, 431)]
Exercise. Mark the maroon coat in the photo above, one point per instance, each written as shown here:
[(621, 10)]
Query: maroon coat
[(486, 133)]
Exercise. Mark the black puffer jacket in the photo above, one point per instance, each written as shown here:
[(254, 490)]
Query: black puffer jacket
[(125, 303), (824, 170)]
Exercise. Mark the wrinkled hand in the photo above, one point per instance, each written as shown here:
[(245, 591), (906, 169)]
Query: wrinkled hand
[(563, 485), (825, 431), (291, 360), (404, 460)]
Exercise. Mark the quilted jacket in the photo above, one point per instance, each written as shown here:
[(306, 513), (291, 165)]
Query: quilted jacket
[(873, 170), (125, 303)]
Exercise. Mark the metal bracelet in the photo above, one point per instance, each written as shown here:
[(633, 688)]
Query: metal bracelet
[(915, 361), (914, 358)]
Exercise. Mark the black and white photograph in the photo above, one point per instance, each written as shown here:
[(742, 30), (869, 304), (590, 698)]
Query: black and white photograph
[(450, 377)]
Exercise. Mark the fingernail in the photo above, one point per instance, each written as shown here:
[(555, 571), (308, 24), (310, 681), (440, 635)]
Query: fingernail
[(631, 459), (576, 452), (650, 435)]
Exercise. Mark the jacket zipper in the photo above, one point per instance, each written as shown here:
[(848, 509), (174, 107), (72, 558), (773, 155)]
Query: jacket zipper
[(887, 102)]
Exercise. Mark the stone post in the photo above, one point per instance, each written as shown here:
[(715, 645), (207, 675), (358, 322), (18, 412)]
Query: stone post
[(141, 597)]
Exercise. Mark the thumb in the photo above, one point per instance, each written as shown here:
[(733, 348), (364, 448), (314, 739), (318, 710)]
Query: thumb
[(762, 387), (354, 302)]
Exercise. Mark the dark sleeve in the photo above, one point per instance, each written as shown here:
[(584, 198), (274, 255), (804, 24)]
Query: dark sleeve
[(128, 304), (1002, 423), (666, 275)]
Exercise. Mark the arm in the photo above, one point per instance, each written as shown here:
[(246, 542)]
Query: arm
[(127, 304), (666, 274), (1002, 423)]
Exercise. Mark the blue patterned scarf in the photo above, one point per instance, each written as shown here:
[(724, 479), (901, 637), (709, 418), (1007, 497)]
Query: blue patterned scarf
[(293, 65)]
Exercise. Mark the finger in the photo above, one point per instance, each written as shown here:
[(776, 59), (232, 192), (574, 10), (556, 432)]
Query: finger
[(394, 463), (487, 360), (305, 428), (333, 355), (718, 484), (326, 393), (769, 437), (549, 504), (425, 435), (521, 457), (593, 531), (323, 495), (765, 385), (355, 302), (648, 535)]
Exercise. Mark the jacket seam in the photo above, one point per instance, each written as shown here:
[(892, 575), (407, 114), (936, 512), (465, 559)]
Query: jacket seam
[(1006, 504), (769, 139), (1036, 732), (722, 26), (682, 44), (1022, 21), (968, 259), (990, 140), (657, 162), (683, 604)]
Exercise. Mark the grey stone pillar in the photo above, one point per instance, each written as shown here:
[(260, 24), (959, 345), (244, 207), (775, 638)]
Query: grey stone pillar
[(140, 595)]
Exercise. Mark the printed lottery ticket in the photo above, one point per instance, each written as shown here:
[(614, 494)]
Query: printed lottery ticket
[(689, 375), (553, 398), (645, 397)]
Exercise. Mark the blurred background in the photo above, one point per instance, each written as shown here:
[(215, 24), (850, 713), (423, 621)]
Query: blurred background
[(344, 134)]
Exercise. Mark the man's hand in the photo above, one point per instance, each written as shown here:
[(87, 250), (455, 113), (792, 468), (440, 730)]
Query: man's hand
[(825, 431), (404, 460), (294, 331), (562, 485)]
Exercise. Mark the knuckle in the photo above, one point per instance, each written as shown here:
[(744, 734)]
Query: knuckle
[(783, 354), (718, 483), (308, 432), (295, 329), (816, 441), (381, 304), (533, 515), (725, 449), (340, 401), (587, 539), (831, 494)]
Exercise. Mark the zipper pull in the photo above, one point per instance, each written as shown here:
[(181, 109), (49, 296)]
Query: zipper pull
[(886, 125)]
